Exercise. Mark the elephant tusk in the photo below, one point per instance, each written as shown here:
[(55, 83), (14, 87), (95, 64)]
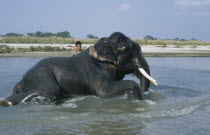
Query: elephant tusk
[(9, 103), (153, 81)]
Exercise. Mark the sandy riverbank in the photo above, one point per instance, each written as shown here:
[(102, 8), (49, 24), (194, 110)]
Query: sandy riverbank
[(175, 51), (148, 51)]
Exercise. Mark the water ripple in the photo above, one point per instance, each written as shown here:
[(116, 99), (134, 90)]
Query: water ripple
[(168, 113)]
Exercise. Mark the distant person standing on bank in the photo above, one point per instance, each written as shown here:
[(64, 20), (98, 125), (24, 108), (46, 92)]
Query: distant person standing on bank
[(78, 45)]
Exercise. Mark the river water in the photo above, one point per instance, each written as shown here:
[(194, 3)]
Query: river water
[(180, 105)]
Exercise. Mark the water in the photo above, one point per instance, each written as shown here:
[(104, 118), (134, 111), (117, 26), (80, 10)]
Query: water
[(179, 105)]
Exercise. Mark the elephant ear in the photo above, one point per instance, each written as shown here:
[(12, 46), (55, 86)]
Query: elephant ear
[(103, 51)]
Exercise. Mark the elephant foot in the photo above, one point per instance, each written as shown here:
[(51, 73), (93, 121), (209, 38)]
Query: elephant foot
[(141, 109), (5, 103)]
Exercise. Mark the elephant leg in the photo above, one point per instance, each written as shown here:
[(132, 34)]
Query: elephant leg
[(15, 99), (53, 94), (119, 87)]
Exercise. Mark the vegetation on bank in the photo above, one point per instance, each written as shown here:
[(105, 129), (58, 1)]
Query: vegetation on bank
[(64, 34), (59, 40), (7, 49), (65, 38), (171, 42), (45, 40)]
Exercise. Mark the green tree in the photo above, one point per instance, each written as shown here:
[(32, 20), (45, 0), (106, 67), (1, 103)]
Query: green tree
[(177, 39), (90, 36), (48, 34), (31, 34), (182, 39), (148, 37), (39, 34), (64, 34), (13, 35), (193, 39)]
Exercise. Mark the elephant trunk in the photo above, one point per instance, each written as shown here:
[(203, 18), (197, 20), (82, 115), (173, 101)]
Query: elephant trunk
[(142, 71)]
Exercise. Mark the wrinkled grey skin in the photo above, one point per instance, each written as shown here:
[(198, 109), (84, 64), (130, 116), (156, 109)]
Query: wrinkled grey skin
[(98, 70)]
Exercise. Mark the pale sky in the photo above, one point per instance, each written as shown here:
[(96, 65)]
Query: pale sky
[(165, 19)]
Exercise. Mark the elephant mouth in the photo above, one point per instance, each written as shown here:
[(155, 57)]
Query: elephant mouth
[(144, 73)]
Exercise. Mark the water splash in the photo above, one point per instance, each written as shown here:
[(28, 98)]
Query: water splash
[(180, 108), (36, 98), (168, 113), (149, 92), (72, 116), (146, 102), (125, 96), (29, 97), (150, 102), (71, 103), (60, 118)]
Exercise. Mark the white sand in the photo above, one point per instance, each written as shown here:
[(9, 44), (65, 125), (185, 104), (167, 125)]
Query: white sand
[(148, 50)]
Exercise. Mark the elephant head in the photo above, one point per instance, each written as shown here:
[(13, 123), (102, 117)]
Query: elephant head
[(126, 55)]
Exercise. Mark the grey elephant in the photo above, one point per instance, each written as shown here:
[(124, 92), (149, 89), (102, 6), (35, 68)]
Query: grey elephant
[(98, 70)]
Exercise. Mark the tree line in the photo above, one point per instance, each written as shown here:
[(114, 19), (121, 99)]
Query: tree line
[(64, 34), (149, 37)]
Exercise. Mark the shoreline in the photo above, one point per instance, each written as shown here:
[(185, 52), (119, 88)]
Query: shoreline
[(148, 51), (68, 54)]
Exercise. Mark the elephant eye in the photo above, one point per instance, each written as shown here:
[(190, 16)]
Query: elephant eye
[(107, 53), (126, 49)]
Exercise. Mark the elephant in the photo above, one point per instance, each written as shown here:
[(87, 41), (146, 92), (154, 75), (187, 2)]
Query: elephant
[(98, 70)]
